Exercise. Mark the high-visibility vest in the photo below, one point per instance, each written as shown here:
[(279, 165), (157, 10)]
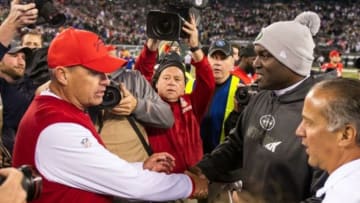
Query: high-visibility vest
[(190, 80), (229, 103)]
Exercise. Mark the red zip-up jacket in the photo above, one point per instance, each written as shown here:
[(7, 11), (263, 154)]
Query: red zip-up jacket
[(183, 140)]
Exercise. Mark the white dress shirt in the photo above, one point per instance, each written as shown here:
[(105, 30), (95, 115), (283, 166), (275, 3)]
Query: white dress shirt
[(343, 184)]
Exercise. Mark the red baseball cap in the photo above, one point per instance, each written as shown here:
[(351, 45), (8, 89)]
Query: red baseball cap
[(110, 47), (80, 47), (334, 53)]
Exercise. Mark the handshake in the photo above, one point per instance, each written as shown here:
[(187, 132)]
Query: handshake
[(164, 162), (200, 183)]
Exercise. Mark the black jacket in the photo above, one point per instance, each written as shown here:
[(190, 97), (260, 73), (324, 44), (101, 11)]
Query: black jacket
[(272, 162)]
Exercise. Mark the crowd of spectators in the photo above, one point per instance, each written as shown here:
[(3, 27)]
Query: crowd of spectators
[(124, 22)]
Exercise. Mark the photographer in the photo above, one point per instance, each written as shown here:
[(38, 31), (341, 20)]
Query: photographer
[(11, 190), (139, 104), (183, 140)]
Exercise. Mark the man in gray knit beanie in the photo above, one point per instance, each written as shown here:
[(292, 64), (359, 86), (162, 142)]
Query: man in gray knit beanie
[(291, 42), (272, 163)]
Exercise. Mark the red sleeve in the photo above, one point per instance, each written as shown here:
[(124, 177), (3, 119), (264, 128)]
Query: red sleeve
[(145, 63), (193, 188), (204, 88), (324, 66)]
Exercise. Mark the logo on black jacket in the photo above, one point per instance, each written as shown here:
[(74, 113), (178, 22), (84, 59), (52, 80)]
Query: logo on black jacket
[(267, 122)]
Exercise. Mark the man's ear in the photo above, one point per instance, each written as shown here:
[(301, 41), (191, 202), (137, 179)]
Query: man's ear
[(348, 135), (61, 75)]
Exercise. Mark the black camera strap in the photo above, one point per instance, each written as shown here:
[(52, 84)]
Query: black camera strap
[(140, 135)]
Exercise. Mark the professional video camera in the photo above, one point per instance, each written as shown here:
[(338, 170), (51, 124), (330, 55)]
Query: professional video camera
[(166, 25), (112, 96), (243, 94), (47, 13), (32, 182)]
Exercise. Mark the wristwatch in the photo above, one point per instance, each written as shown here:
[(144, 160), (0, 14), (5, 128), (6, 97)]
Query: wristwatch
[(193, 49)]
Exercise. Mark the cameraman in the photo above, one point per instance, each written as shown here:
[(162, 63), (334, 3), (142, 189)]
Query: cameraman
[(11, 189)]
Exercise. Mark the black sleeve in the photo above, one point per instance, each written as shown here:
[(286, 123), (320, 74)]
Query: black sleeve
[(230, 122), (222, 163), (3, 50)]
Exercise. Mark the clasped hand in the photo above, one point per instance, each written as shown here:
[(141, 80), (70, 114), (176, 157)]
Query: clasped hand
[(201, 183), (160, 162)]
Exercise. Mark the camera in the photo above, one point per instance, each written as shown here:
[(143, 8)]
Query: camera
[(112, 96), (243, 94), (32, 182), (167, 25), (47, 13)]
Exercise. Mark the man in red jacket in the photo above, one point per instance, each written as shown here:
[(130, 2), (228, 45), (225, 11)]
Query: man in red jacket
[(56, 135), (183, 140)]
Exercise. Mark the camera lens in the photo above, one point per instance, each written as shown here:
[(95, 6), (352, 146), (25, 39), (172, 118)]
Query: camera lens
[(242, 95), (111, 97), (164, 27)]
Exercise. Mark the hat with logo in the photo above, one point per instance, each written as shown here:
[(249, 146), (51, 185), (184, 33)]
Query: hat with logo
[(334, 53), (80, 47), (291, 42), (222, 46)]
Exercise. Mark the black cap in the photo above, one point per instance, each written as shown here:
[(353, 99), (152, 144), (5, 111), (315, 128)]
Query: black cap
[(27, 51), (170, 59), (248, 51), (222, 46)]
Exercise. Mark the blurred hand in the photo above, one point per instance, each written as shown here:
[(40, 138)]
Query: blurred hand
[(11, 189), (21, 15), (191, 29), (127, 103), (193, 40), (201, 183), (152, 44), (160, 162)]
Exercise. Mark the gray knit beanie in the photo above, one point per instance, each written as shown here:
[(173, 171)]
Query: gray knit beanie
[(291, 42)]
